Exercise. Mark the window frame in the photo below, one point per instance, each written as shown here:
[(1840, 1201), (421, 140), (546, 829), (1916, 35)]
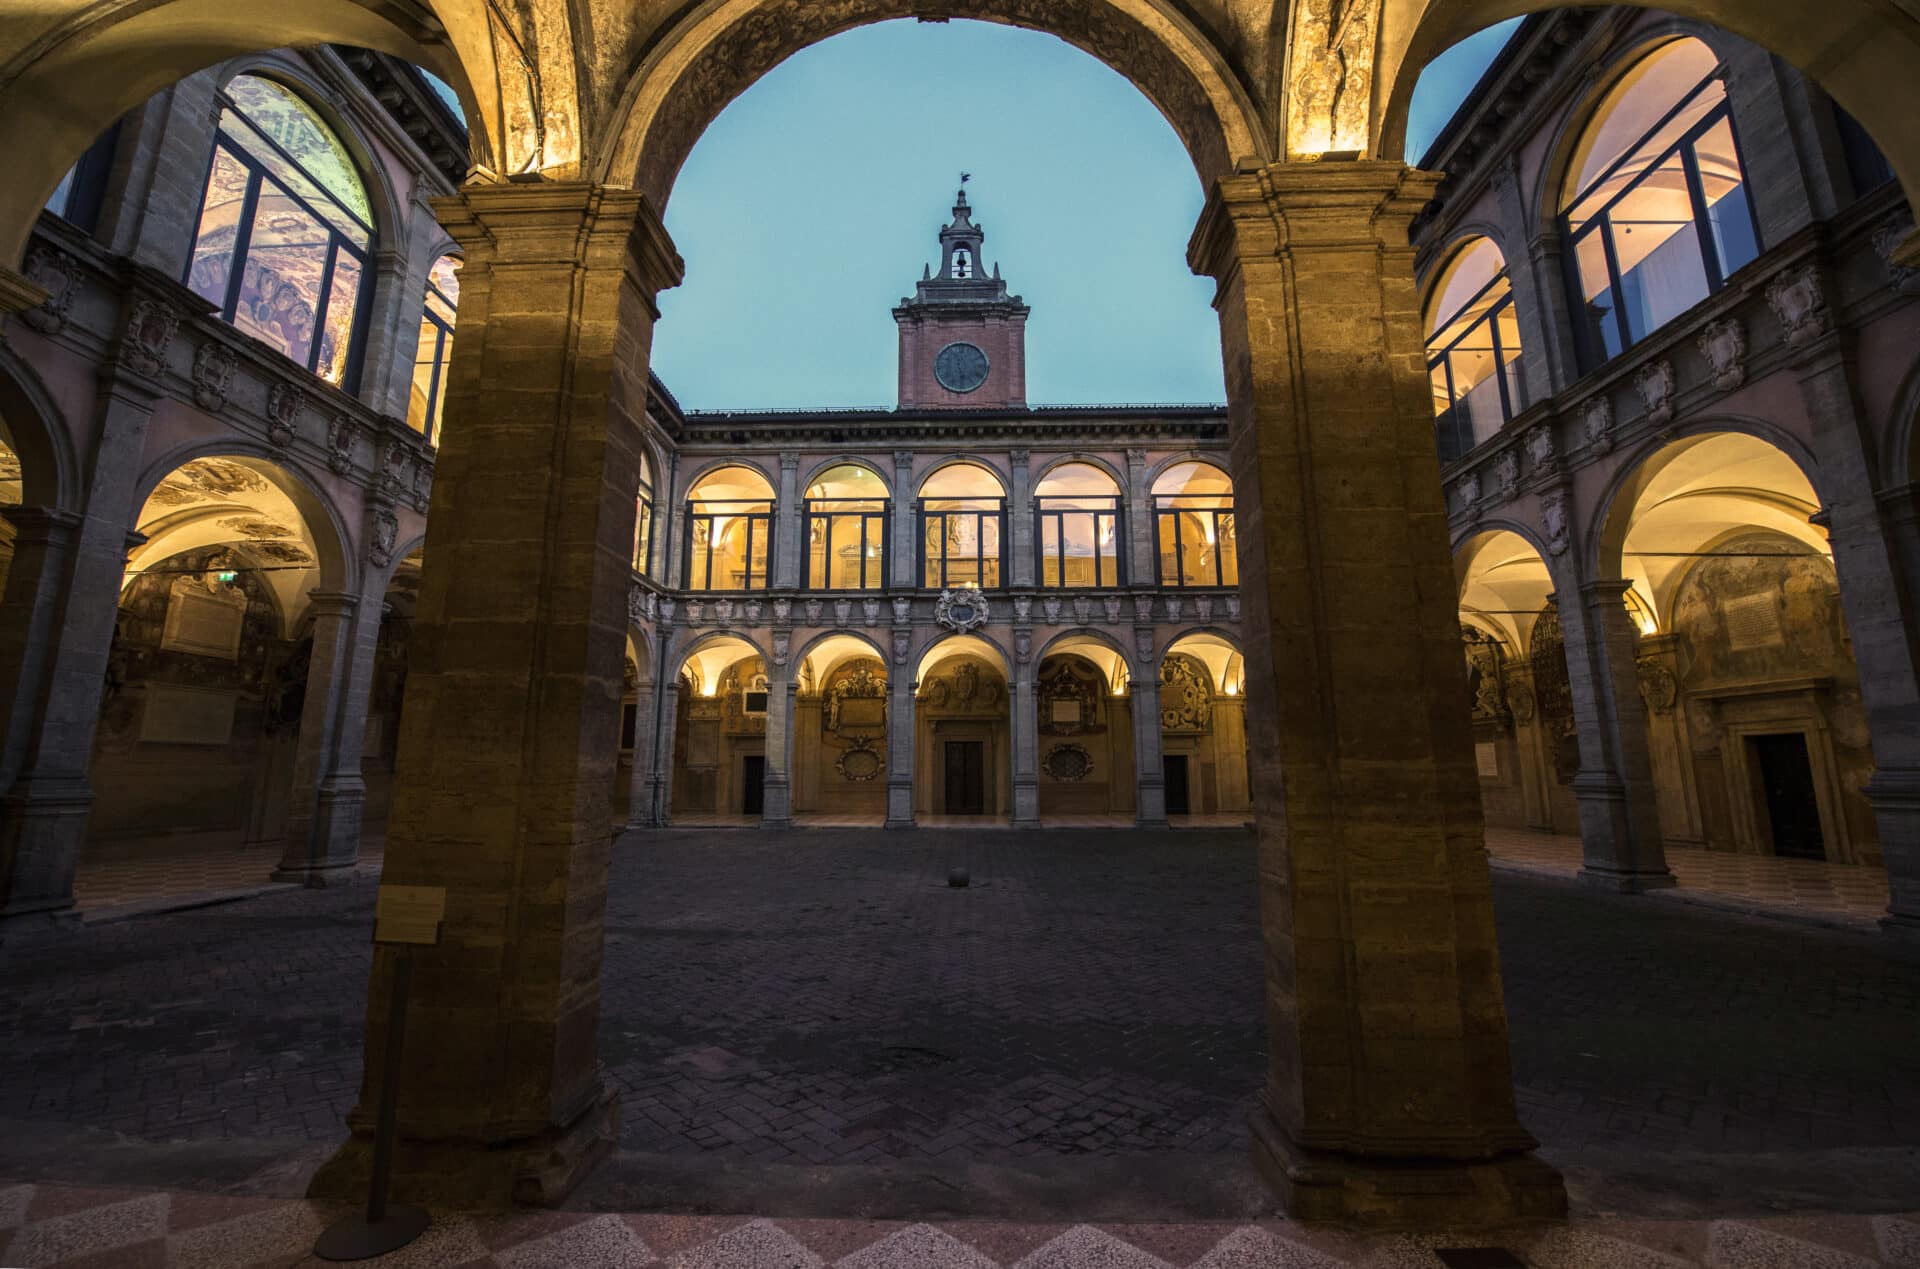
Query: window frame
[(765, 521), (1490, 319), (442, 338), (257, 175), (1164, 506), (831, 509), (1115, 512), (980, 514), (1601, 219)]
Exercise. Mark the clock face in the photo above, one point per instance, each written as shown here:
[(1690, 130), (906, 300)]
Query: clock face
[(960, 367)]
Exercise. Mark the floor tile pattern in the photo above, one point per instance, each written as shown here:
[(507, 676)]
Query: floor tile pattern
[(46, 1226)]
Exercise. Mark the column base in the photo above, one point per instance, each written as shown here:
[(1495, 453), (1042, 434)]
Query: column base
[(318, 876), (1024, 824), (769, 824), (1405, 1193), (894, 824), (538, 1171), (1627, 882), (1149, 822), (43, 824)]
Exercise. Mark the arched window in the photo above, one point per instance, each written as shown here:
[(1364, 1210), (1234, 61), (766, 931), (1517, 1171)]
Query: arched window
[(285, 230), (1473, 349), (643, 520), (1077, 527), (435, 349), (847, 540), (729, 531), (1193, 521), (1655, 205), (963, 521)]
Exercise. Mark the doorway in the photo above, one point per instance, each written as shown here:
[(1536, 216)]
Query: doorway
[(1173, 769), (753, 778), (966, 772), (1786, 782)]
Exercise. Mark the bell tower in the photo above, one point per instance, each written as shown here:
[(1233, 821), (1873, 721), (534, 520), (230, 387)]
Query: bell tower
[(963, 339)]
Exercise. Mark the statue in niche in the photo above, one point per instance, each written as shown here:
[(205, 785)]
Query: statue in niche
[(1186, 695), (1069, 697)]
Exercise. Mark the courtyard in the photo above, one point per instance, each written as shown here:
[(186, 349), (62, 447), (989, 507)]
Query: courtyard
[(815, 1024)]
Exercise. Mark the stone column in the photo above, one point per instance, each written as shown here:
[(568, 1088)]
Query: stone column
[(1883, 618), (502, 793), (55, 658), (640, 786), (1149, 775), (1620, 839), (1143, 562), (1024, 720), (1019, 538), (789, 535), (901, 733), (1670, 749), (1389, 1093), (1230, 752), (322, 839), (906, 525), (776, 808), (656, 808), (1548, 359)]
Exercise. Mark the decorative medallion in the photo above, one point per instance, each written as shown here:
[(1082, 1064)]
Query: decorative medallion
[(1724, 345), (340, 444), (150, 329), (861, 763), (1112, 604), (1506, 474), (1553, 513), (1800, 305), (1657, 384), (213, 368), (58, 274), (1069, 764), (284, 404), (385, 532), (1596, 424), (961, 611)]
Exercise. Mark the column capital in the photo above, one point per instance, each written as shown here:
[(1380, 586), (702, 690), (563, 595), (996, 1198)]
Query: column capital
[(42, 524), (562, 223), (1602, 589), (1307, 206), (333, 603)]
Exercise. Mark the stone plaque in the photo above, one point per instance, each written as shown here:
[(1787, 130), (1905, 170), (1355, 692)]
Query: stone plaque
[(1487, 754), (178, 715), (1753, 621), (862, 712), (1066, 711), (204, 623)]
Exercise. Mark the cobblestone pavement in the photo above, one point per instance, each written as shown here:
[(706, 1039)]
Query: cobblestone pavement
[(826, 998)]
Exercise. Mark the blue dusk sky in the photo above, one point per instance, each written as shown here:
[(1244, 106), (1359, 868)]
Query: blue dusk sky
[(809, 208)]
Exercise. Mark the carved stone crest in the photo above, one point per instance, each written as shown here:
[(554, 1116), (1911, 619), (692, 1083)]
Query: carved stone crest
[(1203, 606), (1023, 608), (1886, 240), (422, 484), (58, 274), (1596, 424), (754, 607), (667, 604), (1553, 515), (1656, 384), (384, 533), (340, 435), (1175, 607), (1023, 646), (1112, 604), (1467, 488), (1082, 609), (870, 608), (1051, 607), (782, 610), (636, 605), (213, 368), (902, 609), (284, 404), (961, 611), (1800, 305), (1658, 688), (814, 607), (1143, 607), (1506, 474), (723, 612), (693, 612), (1233, 607), (782, 644), (149, 333), (1540, 449), (902, 645), (1724, 345), (1186, 695), (842, 611)]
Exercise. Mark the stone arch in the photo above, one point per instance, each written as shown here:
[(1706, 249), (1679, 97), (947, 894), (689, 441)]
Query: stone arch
[(961, 460), (1518, 597), (865, 464), (800, 657), (1862, 52), (918, 658), (338, 560), (1089, 460), (35, 427), (674, 89), (70, 71), (709, 638), (1159, 469), (747, 461), (1900, 456), (1460, 240)]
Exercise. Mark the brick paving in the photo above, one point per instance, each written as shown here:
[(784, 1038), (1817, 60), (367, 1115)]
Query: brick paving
[(826, 998)]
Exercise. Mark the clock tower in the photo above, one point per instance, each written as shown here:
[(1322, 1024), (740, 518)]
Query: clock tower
[(963, 339)]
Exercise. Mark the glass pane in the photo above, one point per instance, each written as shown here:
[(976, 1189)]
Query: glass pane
[(1723, 184), (1658, 253), (445, 280), (1169, 550), (642, 535), (219, 228), (875, 572), (1442, 394), (1229, 544), (62, 192), (426, 356), (849, 553), (989, 530), (343, 305), (933, 530), (1596, 288), (281, 278), (756, 577), (1476, 265), (1631, 111), (325, 169), (1049, 551)]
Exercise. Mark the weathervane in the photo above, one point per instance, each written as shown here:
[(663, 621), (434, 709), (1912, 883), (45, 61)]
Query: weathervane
[(965, 177)]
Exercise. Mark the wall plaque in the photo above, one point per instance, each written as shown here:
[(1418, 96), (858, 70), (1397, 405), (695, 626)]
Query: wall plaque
[(1487, 755), (1753, 621), (179, 715), (205, 623)]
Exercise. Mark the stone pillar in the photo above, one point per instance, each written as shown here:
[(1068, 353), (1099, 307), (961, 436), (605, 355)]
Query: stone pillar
[(789, 535), (1620, 840), (1143, 561), (322, 838), (776, 808), (1670, 748), (1880, 609), (656, 808), (57, 643), (639, 799), (1024, 719), (906, 525), (1019, 539), (502, 794), (1230, 752), (1548, 358), (901, 733), (1149, 774), (1389, 1093)]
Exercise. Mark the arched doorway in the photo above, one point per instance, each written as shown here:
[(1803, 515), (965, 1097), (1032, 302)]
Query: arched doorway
[(964, 745), (840, 730), (720, 733), (1084, 720), (1203, 729), (1754, 713)]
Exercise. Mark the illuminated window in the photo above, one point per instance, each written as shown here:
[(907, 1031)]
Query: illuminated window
[(1077, 527), (1473, 349), (643, 520), (963, 520), (285, 230), (435, 349), (1194, 525), (729, 531), (847, 539), (1655, 204)]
